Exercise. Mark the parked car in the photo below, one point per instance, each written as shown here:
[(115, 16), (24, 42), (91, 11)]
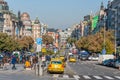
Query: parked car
[(109, 62), (117, 63)]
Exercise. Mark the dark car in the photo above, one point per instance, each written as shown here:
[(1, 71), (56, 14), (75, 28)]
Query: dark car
[(83, 55), (109, 62)]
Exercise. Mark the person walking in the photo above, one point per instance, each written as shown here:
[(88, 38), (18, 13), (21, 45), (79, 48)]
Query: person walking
[(13, 62), (5, 62)]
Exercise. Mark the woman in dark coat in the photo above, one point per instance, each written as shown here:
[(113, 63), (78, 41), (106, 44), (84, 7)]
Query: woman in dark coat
[(14, 62)]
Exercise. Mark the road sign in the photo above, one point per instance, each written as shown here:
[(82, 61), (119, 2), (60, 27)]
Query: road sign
[(104, 51), (39, 41), (38, 48)]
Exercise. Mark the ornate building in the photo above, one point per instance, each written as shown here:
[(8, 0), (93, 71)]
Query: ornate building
[(27, 24), (7, 18), (36, 29)]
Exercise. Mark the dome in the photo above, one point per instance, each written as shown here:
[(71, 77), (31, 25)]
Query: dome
[(25, 16)]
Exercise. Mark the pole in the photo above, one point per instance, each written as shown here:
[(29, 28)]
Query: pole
[(104, 30), (115, 30), (40, 63)]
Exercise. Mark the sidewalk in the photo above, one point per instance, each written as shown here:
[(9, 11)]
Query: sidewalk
[(19, 67)]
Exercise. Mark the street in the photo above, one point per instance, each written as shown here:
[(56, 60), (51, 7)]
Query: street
[(81, 70)]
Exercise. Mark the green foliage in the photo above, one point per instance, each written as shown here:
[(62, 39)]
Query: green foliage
[(9, 43), (71, 40), (95, 43), (47, 39)]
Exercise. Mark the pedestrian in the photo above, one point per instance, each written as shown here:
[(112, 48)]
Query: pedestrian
[(27, 64), (78, 57), (14, 62), (5, 62)]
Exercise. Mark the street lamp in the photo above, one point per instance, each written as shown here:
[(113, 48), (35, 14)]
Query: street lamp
[(104, 29)]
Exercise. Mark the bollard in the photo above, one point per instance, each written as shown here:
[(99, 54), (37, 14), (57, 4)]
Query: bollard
[(38, 70)]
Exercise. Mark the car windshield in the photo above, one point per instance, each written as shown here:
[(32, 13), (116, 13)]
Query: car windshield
[(56, 62), (84, 55)]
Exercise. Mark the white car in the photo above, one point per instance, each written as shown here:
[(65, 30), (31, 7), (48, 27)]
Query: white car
[(93, 58)]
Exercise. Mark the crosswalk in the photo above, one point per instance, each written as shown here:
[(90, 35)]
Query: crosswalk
[(86, 77)]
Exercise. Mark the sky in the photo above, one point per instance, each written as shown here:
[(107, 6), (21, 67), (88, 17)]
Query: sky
[(59, 14)]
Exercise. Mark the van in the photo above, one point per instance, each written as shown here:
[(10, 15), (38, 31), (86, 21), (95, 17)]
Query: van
[(101, 58)]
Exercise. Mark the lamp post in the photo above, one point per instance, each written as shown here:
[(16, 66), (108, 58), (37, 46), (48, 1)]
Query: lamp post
[(104, 29)]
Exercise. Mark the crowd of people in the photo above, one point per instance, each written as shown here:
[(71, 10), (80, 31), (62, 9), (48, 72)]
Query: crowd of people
[(28, 61)]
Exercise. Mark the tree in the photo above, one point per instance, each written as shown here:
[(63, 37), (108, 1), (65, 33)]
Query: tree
[(26, 42), (95, 43), (47, 39), (7, 43), (71, 40)]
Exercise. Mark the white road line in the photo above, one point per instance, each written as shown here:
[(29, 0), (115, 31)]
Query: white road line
[(97, 77), (76, 76), (55, 75), (65, 76), (108, 77), (118, 77), (86, 77)]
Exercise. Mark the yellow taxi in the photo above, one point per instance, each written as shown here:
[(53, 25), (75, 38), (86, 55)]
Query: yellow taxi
[(55, 66), (62, 57), (63, 60), (72, 59)]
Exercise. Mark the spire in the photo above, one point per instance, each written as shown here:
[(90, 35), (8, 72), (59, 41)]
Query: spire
[(109, 4), (37, 21), (102, 6), (19, 15)]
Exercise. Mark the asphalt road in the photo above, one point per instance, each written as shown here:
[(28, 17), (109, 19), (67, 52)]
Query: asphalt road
[(83, 70)]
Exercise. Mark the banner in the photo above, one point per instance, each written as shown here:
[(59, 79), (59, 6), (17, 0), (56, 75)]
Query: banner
[(94, 22)]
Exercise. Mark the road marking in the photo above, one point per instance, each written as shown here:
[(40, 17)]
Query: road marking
[(86, 77), (108, 77), (55, 75), (118, 77), (65, 76), (76, 76), (97, 77)]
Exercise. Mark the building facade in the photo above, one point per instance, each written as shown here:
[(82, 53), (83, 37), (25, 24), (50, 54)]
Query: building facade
[(113, 17), (7, 18), (27, 24), (36, 29)]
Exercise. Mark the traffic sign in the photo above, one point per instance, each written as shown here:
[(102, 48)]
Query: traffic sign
[(39, 41), (104, 51), (38, 48)]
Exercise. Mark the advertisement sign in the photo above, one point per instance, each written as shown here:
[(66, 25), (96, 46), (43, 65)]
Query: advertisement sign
[(43, 50), (94, 22)]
